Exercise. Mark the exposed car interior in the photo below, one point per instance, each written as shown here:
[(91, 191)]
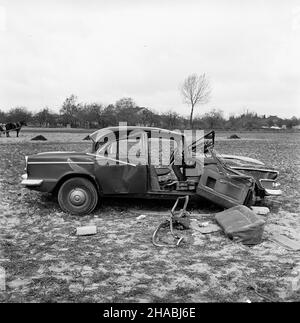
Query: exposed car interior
[(170, 168), (173, 174)]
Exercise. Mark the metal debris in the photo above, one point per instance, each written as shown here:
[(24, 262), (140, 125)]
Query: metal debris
[(285, 241), (87, 230), (175, 219), (141, 217), (261, 210), (209, 228)]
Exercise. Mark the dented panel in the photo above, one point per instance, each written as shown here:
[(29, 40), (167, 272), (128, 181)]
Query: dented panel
[(121, 179), (223, 190)]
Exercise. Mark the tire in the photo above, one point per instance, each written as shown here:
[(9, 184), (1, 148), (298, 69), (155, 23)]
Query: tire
[(77, 196)]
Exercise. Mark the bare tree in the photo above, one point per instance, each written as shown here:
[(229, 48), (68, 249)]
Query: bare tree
[(195, 90)]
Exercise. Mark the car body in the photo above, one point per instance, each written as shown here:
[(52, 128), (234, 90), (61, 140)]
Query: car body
[(80, 179)]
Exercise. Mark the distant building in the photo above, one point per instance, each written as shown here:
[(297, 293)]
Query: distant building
[(296, 127), (283, 126)]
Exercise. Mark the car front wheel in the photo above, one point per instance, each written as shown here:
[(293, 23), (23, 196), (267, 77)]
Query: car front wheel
[(77, 196)]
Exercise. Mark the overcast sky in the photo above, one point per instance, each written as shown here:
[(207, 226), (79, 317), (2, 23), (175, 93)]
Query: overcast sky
[(104, 50)]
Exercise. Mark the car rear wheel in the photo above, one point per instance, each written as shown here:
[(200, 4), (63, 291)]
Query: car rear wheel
[(78, 196)]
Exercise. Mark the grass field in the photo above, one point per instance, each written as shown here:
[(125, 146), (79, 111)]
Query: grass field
[(45, 262)]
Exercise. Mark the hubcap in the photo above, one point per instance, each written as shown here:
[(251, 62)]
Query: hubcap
[(78, 196)]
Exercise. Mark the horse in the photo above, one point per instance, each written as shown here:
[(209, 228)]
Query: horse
[(14, 127)]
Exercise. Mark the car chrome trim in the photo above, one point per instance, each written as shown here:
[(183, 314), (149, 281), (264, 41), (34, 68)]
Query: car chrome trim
[(57, 162), (26, 163), (269, 180), (116, 160), (32, 182), (102, 132), (254, 168), (242, 158), (273, 192), (55, 152)]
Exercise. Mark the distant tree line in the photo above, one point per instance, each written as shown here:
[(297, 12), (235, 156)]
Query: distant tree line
[(97, 115)]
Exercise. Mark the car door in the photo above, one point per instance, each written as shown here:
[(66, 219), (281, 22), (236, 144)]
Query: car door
[(126, 171), (222, 186)]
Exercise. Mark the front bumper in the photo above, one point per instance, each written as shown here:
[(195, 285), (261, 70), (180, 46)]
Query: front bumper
[(31, 182)]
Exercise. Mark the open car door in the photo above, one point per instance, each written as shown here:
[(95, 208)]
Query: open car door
[(223, 185)]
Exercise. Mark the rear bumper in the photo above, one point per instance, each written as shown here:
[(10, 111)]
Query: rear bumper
[(273, 192), (270, 186), (31, 182)]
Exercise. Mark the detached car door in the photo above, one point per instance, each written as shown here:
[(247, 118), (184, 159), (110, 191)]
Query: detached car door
[(224, 186), (121, 166)]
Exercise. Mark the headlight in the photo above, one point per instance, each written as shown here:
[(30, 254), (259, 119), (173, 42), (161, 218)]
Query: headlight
[(275, 185)]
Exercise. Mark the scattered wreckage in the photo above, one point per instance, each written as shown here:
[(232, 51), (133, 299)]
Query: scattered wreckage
[(239, 223), (80, 179)]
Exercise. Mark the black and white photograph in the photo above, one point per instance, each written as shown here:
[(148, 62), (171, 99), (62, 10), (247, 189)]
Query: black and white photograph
[(149, 153)]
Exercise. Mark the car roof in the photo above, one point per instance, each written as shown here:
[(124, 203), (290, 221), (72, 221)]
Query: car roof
[(102, 132)]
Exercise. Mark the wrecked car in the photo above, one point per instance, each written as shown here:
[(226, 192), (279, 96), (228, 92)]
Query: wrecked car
[(147, 162)]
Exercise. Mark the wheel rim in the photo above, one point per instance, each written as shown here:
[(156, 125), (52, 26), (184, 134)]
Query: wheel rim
[(78, 197)]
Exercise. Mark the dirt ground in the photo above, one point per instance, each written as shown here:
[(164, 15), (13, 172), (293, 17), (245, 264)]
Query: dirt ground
[(45, 262)]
